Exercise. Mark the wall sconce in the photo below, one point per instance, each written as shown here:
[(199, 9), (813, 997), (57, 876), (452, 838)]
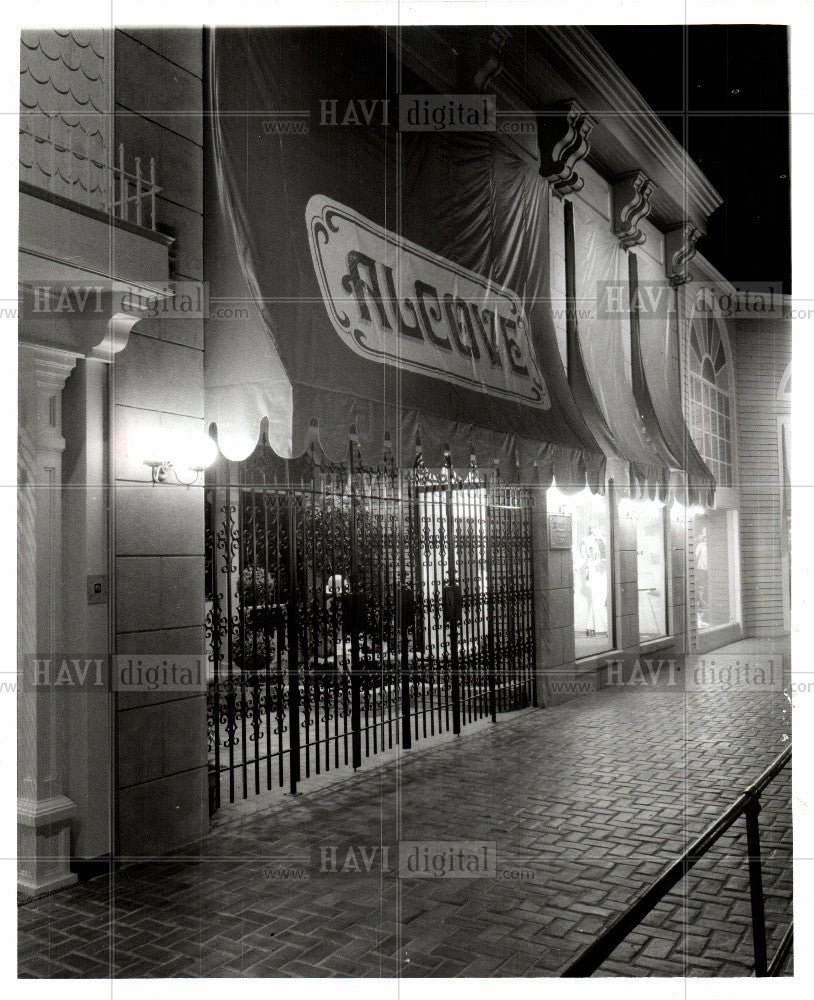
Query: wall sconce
[(634, 508), (627, 508), (679, 512), (185, 456)]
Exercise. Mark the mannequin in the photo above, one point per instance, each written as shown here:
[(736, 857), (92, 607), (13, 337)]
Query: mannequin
[(594, 571)]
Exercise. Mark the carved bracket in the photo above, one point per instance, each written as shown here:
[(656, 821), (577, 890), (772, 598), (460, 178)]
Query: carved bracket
[(116, 336), (493, 64), (92, 321), (631, 203), (478, 55), (559, 154), (679, 249)]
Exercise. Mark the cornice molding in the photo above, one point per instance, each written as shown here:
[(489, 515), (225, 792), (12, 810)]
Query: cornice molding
[(560, 153), (624, 111), (679, 250), (703, 270), (429, 53), (89, 325), (630, 201), (567, 63)]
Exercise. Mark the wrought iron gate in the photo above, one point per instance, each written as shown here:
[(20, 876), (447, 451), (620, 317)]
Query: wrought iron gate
[(357, 611)]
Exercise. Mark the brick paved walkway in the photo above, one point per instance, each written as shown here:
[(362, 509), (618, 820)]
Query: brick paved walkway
[(586, 802)]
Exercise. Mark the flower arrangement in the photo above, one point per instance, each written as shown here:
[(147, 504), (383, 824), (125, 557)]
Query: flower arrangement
[(256, 587)]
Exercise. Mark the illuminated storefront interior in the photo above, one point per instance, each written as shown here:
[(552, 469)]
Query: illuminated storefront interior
[(652, 568), (712, 532), (592, 567), (716, 577)]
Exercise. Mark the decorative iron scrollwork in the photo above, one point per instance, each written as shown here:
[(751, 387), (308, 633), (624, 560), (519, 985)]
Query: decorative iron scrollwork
[(421, 474), (294, 637)]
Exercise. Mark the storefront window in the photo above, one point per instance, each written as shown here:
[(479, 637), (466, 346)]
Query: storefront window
[(591, 554), (716, 571), (652, 569)]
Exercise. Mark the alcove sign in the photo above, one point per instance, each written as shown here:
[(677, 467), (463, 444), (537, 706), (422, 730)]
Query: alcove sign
[(397, 303)]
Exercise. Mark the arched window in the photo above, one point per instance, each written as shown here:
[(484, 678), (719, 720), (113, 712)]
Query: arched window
[(784, 392), (710, 385)]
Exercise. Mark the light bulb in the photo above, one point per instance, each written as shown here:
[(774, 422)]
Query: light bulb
[(199, 452)]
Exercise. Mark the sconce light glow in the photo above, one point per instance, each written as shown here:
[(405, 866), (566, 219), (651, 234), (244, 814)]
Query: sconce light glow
[(154, 446), (235, 444), (184, 454), (567, 503), (627, 507), (679, 511), (630, 507), (200, 452)]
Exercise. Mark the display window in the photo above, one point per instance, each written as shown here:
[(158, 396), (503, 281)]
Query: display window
[(591, 555), (651, 551), (714, 548)]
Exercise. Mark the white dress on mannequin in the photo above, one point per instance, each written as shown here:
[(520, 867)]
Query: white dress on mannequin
[(593, 551)]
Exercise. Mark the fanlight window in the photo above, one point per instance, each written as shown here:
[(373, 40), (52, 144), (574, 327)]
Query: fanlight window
[(709, 394), (784, 392)]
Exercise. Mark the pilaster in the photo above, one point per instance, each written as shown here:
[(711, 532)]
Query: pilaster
[(44, 812)]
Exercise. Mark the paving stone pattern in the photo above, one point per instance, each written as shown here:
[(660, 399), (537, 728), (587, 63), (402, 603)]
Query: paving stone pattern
[(586, 802)]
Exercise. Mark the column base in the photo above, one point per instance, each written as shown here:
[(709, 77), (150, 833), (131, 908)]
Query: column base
[(44, 845), (36, 889)]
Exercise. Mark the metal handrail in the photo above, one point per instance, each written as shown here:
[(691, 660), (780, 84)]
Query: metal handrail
[(782, 953), (748, 802)]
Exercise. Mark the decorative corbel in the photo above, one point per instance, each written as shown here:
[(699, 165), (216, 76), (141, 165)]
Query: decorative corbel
[(116, 336), (631, 204), (493, 64), (559, 156), (679, 249), (90, 320)]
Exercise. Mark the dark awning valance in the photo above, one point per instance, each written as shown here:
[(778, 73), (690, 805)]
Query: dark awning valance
[(600, 355), (661, 368), (369, 278)]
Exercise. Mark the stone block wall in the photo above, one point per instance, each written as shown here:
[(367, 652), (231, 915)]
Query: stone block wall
[(159, 529)]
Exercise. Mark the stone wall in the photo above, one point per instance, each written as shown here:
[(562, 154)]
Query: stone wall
[(159, 529)]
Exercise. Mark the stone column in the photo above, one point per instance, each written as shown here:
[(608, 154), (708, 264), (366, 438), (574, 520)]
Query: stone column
[(553, 610), (44, 812), (626, 581)]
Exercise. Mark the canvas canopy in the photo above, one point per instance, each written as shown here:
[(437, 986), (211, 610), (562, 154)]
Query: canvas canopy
[(659, 350), (371, 281), (601, 358)]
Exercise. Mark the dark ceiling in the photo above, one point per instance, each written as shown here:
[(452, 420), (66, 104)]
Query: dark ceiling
[(722, 90)]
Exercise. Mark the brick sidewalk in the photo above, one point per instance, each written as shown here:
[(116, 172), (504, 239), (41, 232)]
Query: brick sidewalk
[(586, 802)]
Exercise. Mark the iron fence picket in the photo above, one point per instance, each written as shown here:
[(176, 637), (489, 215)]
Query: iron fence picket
[(356, 612), (267, 638), (280, 627)]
